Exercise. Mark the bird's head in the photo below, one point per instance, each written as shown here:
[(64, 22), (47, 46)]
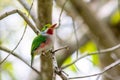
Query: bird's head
[(48, 29)]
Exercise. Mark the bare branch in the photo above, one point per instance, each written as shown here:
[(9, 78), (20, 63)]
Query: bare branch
[(27, 7), (63, 76), (100, 31), (116, 63), (76, 37), (59, 19), (17, 56), (57, 70), (21, 37), (23, 16), (24, 4), (94, 53), (44, 12), (16, 45), (61, 49), (4, 59)]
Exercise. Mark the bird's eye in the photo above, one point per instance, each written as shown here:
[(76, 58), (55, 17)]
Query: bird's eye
[(45, 27)]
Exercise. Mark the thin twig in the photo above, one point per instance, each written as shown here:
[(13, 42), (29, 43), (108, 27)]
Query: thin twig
[(5, 59), (75, 33), (93, 53), (20, 38), (27, 7), (114, 64), (57, 70), (63, 76), (17, 56), (59, 19), (60, 49), (98, 77), (23, 16)]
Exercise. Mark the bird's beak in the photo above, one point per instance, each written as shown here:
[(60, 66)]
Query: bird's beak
[(53, 26)]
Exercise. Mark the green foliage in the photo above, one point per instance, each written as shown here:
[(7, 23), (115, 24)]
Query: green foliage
[(115, 18), (90, 47), (69, 60), (7, 67)]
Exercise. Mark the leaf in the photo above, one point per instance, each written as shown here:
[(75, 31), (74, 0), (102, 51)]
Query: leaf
[(72, 67), (8, 68), (115, 18), (90, 47)]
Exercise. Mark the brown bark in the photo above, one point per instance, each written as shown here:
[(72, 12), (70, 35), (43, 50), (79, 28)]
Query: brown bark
[(44, 12), (44, 17)]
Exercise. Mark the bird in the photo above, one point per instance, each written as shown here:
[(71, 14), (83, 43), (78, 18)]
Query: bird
[(42, 42)]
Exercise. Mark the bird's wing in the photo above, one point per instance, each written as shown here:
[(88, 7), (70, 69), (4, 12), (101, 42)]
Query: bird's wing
[(37, 41)]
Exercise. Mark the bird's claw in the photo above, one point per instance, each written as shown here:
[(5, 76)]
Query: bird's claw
[(43, 53)]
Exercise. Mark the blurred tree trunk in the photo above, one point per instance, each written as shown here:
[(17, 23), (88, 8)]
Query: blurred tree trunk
[(99, 30), (44, 12), (105, 35)]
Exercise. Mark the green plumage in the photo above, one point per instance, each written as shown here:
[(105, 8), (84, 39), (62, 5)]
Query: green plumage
[(36, 43)]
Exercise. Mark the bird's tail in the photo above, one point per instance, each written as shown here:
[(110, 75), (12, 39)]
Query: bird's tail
[(32, 57)]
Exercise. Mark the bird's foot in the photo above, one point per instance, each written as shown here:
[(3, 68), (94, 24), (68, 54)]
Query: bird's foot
[(43, 53)]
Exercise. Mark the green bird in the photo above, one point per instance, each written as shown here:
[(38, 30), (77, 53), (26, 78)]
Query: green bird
[(42, 42)]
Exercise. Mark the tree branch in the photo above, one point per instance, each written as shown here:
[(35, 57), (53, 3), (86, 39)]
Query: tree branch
[(114, 64), (98, 27), (18, 57), (21, 37), (101, 31), (63, 55), (44, 13), (57, 70), (59, 19), (27, 7), (94, 53), (23, 16)]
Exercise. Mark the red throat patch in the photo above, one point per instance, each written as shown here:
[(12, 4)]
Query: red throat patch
[(50, 31)]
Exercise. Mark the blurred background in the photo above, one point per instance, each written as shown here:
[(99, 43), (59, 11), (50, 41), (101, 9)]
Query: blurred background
[(73, 32)]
